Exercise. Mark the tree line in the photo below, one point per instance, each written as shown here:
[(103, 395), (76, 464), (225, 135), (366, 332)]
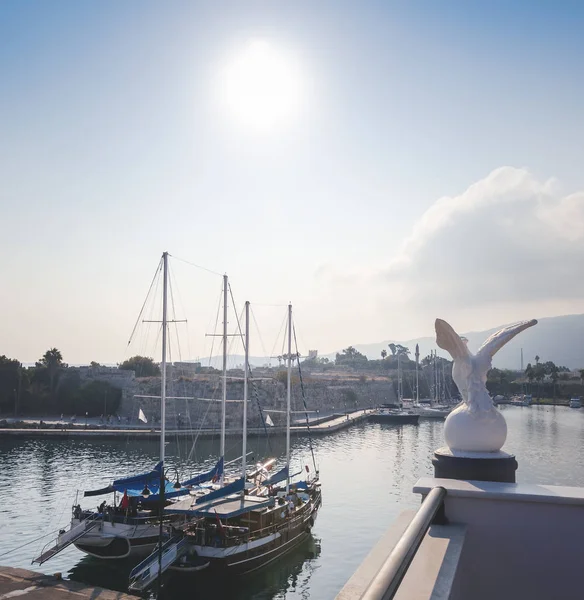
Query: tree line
[(434, 372), (540, 379), (51, 388), (543, 379)]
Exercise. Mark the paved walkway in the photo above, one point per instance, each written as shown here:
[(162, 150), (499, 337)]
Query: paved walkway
[(19, 583), (79, 421), (328, 425)]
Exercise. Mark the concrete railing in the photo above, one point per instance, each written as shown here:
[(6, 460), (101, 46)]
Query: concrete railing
[(386, 583)]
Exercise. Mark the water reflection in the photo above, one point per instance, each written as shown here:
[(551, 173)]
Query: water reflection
[(112, 574), (292, 573)]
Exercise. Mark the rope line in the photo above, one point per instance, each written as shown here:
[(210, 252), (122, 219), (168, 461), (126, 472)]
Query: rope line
[(216, 323), (255, 393), (272, 353), (145, 300), (31, 542), (259, 332), (195, 265), (304, 400)]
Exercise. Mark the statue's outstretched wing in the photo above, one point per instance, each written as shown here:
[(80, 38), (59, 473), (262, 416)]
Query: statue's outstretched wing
[(449, 340), (500, 338)]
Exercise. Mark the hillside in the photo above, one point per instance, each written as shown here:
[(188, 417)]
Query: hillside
[(560, 339)]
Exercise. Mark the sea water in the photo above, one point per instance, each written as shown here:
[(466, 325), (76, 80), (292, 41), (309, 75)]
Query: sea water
[(367, 473)]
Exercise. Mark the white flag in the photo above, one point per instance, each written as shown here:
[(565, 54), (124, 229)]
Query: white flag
[(269, 421), (142, 416)]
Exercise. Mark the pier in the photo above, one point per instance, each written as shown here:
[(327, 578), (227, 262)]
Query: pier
[(16, 583), (319, 426)]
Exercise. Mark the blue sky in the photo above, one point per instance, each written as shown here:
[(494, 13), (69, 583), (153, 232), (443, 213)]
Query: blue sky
[(114, 147)]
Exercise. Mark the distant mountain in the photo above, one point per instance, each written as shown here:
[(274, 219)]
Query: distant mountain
[(559, 339)]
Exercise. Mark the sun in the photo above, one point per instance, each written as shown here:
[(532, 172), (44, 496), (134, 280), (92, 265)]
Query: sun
[(261, 87)]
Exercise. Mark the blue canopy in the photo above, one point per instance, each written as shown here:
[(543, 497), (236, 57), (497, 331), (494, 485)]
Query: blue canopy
[(154, 487), (232, 488), (135, 484), (215, 473), (277, 477), (140, 479)]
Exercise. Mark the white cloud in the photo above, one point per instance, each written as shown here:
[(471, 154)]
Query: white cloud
[(509, 240), (510, 247)]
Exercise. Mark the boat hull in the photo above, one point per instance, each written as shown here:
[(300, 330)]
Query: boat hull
[(244, 563), (434, 413), (403, 419), (251, 557), (114, 541)]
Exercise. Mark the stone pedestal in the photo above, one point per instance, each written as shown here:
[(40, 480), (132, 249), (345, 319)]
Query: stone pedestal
[(479, 466)]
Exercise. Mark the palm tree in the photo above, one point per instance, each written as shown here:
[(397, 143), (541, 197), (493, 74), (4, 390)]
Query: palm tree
[(554, 377), (539, 373), (384, 354), (53, 361), (530, 374)]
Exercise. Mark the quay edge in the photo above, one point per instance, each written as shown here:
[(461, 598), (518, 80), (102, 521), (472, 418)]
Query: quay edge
[(324, 427)]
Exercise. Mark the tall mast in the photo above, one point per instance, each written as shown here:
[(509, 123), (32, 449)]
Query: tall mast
[(437, 367), (417, 379), (245, 378), (399, 382), (163, 382), (443, 382), (224, 381), (288, 390), (434, 374)]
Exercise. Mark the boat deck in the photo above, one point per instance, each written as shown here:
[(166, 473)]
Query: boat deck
[(223, 508)]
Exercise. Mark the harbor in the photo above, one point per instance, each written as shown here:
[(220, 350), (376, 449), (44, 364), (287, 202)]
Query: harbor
[(291, 302), (543, 438)]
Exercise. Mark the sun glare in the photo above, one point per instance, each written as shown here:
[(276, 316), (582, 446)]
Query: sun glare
[(261, 87)]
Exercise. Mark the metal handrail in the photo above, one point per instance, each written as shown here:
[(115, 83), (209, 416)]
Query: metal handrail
[(385, 584)]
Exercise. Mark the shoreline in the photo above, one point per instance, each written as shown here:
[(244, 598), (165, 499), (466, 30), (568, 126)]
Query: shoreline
[(322, 427)]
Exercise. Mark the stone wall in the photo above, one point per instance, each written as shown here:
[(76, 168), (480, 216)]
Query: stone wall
[(196, 401), (120, 378)]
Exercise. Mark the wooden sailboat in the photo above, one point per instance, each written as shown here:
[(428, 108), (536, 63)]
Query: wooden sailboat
[(233, 530)]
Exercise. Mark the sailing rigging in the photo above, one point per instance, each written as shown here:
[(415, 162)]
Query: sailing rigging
[(245, 525)]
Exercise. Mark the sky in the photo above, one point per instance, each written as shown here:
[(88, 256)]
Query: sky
[(377, 164)]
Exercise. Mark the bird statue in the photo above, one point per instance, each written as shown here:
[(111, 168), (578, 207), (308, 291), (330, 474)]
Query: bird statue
[(475, 425)]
